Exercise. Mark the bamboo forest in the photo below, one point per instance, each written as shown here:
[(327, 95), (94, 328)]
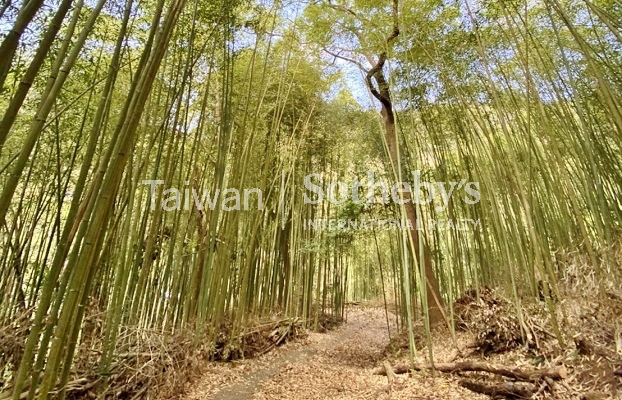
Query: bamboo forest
[(310, 199)]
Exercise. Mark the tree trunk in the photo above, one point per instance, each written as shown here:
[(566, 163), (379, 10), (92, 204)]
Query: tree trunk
[(436, 304), (11, 40), (513, 390), (528, 375)]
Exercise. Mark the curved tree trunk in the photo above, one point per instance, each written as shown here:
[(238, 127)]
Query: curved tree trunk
[(381, 92)]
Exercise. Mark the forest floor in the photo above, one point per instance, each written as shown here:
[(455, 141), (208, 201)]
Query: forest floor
[(338, 364), (490, 353)]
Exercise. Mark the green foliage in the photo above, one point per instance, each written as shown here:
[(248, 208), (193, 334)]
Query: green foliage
[(522, 97)]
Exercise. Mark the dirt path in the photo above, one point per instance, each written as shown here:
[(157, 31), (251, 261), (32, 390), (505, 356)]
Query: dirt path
[(340, 366), (334, 365), (328, 365)]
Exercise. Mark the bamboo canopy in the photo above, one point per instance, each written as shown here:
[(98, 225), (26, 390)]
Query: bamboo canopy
[(187, 167)]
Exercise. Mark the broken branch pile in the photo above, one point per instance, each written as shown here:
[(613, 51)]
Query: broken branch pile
[(523, 385), (152, 364), (493, 321)]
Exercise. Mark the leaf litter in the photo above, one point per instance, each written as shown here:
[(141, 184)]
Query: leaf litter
[(344, 363)]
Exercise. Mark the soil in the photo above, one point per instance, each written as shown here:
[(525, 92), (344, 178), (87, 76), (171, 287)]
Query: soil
[(350, 361), (338, 364)]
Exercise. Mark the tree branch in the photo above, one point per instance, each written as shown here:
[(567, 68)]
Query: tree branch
[(396, 23), (382, 91), (345, 9), (376, 73), (528, 375), (350, 60)]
